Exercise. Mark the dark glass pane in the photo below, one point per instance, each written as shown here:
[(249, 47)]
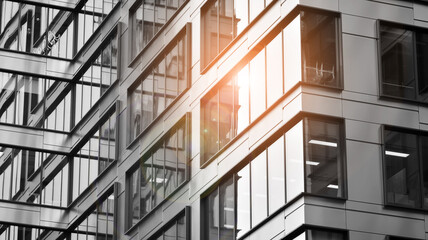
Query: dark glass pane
[(227, 210), (160, 18), (241, 100), (402, 169), (171, 7), (243, 201), (172, 75), (147, 101), (146, 186), (181, 154), (181, 228), (225, 113), (257, 85), (274, 70), (211, 216), (276, 173), (422, 60), (398, 77), (210, 34), (171, 233), (148, 28), (424, 155), (159, 175), (210, 131), (240, 21), (182, 68), (134, 197), (323, 159), (136, 112), (258, 189), (159, 88), (225, 18), (137, 31), (170, 163), (319, 46), (324, 235)]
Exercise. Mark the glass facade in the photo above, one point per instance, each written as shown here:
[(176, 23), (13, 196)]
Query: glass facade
[(147, 19), (309, 158), (174, 230), (224, 20), (161, 83), (405, 181), (243, 97), (403, 54), (49, 31), (161, 171)]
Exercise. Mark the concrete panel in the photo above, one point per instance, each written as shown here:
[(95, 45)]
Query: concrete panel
[(420, 12), (264, 24), (291, 107), (332, 5), (233, 156), (325, 216), (367, 236), (237, 53), (364, 168), (377, 10), (202, 179), (362, 131), (356, 25), (294, 220), (269, 230), (360, 65), (380, 114), (423, 114), (262, 128), (322, 105), (384, 224)]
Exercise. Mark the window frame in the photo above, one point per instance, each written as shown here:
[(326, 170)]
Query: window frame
[(204, 67), (262, 149), (419, 160), (186, 122), (245, 62), (414, 29), (186, 213), (133, 57), (186, 35)]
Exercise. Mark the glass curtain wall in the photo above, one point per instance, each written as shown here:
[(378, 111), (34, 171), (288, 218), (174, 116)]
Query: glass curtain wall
[(243, 97), (147, 18), (308, 158), (48, 31)]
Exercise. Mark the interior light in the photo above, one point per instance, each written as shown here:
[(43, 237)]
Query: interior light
[(324, 143), (397, 154), (334, 186), (312, 163)]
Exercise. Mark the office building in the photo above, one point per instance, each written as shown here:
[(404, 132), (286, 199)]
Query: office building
[(213, 119)]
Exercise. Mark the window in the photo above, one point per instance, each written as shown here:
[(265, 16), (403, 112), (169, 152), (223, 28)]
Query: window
[(147, 18), (222, 21), (309, 158), (161, 171), (406, 183), (404, 55), (49, 31), (161, 83), (226, 109), (176, 229), (321, 234), (13, 232), (100, 221), (95, 156)]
